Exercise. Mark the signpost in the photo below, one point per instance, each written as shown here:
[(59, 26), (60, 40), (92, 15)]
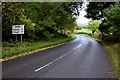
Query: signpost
[(18, 29)]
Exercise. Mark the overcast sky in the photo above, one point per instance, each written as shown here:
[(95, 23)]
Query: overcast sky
[(81, 20)]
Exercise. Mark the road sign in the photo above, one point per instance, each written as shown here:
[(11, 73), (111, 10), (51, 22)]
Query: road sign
[(18, 29)]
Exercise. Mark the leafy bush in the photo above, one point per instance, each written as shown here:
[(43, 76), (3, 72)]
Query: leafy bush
[(110, 26)]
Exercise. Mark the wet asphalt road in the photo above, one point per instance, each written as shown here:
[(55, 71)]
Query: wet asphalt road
[(79, 58)]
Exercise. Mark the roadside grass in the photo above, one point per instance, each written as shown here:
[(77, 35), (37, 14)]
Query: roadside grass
[(11, 49), (85, 30), (113, 50)]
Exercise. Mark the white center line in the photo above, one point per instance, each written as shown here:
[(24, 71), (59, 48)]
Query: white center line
[(50, 63), (78, 46), (56, 59)]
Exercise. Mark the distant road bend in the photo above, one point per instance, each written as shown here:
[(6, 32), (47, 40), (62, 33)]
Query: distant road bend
[(79, 58)]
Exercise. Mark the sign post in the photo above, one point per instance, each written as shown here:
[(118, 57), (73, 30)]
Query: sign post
[(21, 38), (18, 29), (16, 38)]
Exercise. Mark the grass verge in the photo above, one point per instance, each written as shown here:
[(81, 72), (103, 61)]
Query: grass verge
[(11, 49), (113, 49), (85, 30)]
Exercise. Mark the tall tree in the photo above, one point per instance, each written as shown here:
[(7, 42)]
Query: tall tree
[(95, 9)]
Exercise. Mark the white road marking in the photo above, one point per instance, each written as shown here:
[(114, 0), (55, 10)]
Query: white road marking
[(78, 46), (50, 63), (56, 59)]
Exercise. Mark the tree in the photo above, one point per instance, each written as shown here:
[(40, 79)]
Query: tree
[(15, 13), (95, 9), (111, 26), (93, 25), (42, 20), (108, 13), (112, 14)]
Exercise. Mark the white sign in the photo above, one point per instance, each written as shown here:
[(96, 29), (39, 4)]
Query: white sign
[(18, 29)]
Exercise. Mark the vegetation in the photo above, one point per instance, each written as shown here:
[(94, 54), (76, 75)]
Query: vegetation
[(95, 9), (93, 25), (113, 48), (10, 49), (110, 28), (41, 19), (109, 15), (46, 23), (83, 31), (49, 23), (78, 27)]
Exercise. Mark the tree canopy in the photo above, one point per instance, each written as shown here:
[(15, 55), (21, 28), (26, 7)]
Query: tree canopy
[(41, 19), (111, 26), (95, 9), (109, 14), (93, 25)]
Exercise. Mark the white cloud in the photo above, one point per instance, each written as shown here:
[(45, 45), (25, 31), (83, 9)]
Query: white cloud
[(81, 20), (83, 13)]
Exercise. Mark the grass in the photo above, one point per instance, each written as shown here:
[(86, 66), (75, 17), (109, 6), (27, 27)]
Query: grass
[(113, 49), (11, 49), (85, 30)]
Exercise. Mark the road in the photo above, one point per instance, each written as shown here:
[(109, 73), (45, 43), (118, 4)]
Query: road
[(79, 58)]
